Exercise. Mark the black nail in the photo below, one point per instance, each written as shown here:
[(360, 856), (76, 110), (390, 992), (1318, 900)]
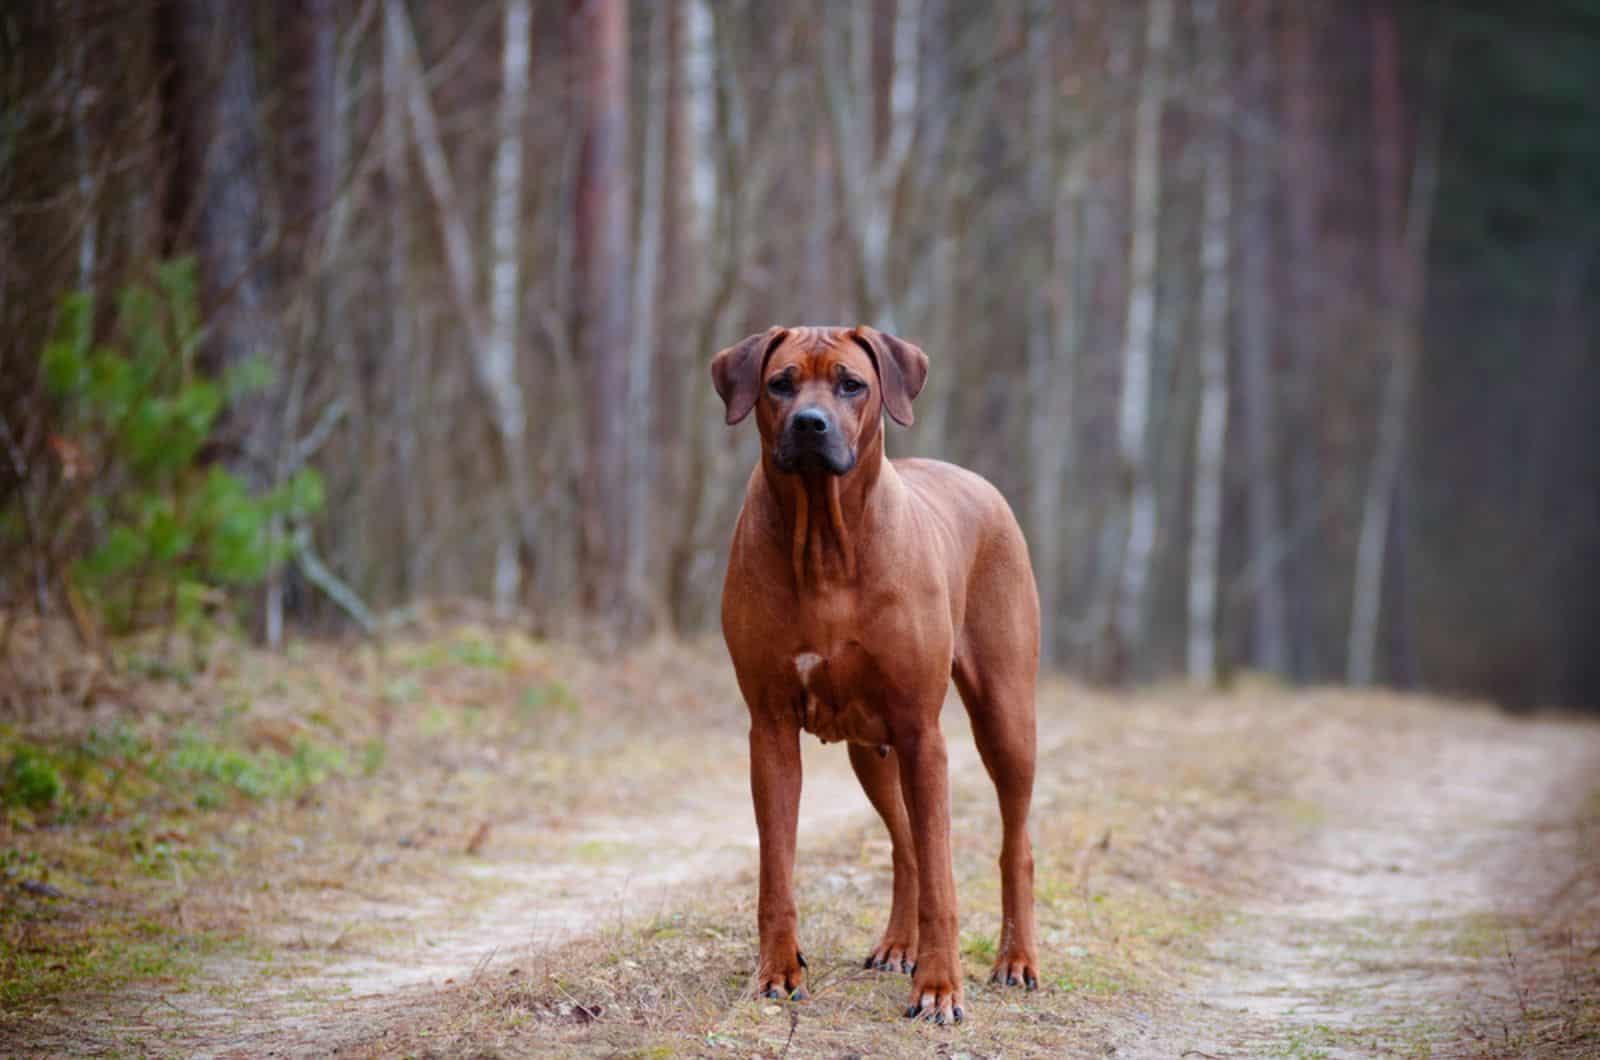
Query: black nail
[(801, 958), (1031, 980), (911, 1013), (913, 969), (959, 1014), (799, 994), (938, 1017), (868, 963), (1011, 980), (772, 992), (907, 968)]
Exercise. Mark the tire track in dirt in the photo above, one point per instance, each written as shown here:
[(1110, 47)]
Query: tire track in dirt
[(607, 870), (1393, 928)]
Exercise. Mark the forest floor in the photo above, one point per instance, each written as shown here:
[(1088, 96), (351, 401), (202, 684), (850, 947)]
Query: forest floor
[(465, 841)]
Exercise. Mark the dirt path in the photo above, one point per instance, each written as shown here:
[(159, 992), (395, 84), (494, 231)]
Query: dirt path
[(602, 873), (1262, 874), (1433, 858)]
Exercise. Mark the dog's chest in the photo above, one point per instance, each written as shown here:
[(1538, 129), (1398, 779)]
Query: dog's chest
[(839, 697)]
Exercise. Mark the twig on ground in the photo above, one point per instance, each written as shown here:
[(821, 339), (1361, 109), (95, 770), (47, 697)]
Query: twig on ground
[(323, 578)]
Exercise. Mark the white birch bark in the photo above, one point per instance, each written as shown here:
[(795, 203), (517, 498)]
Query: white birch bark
[(493, 343), (1134, 408), (498, 359), (700, 84), (870, 178), (1210, 445), (89, 233)]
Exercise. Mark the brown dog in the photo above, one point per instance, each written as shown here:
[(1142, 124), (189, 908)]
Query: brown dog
[(856, 588)]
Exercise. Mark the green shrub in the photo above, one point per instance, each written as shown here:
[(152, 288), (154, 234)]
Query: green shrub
[(31, 781), (169, 529)]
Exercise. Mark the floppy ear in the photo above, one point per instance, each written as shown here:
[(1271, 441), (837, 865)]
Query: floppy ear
[(736, 371), (902, 369)]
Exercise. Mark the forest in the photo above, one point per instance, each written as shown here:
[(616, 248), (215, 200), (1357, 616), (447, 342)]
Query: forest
[(365, 503), (1272, 320)]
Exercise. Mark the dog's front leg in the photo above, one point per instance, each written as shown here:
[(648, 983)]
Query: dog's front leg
[(936, 990), (775, 785)]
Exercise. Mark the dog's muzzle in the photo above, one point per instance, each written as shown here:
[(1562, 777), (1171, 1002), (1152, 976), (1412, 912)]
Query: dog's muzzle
[(811, 441)]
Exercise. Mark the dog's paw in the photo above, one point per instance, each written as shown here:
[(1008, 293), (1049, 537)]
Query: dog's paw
[(936, 989), (783, 977), (1017, 966), (894, 953)]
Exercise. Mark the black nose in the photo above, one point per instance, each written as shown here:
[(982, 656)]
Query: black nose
[(809, 421)]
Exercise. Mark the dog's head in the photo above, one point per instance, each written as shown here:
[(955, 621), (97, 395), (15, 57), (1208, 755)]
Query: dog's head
[(819, 394)]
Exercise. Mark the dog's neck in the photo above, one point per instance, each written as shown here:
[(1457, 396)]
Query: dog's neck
[(822, 513)]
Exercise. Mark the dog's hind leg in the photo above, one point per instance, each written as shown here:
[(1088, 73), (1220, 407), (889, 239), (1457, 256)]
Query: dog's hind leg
[(879, 774), (998, 693)]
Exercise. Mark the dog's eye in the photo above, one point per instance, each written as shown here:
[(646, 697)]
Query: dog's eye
[(850, 387), (781, 386)]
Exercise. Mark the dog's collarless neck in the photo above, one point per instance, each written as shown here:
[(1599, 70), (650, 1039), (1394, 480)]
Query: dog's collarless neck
[(822, 513)]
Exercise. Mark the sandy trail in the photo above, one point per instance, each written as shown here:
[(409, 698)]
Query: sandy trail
[(605, 871), (1391, 928), (1376, 916)]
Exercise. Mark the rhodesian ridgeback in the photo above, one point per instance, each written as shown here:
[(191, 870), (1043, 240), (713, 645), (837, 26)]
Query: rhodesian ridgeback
[(857, 587)]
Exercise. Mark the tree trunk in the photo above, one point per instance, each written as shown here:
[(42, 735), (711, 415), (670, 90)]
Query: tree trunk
[(1269, 648), (223, 162), (1049, 386), (1139, 342), (641, 598), (498, 360), (1404, 219), (705, 146), (600, 51), (402, 350), (869, 177), (493, 344), (1210, 446), (1304, 178), (88, 178)]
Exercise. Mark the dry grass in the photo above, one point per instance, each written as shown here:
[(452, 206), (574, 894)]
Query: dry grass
[(253, 851)]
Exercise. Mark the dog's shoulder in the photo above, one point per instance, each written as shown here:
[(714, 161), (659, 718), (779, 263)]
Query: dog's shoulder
[(953, 489)]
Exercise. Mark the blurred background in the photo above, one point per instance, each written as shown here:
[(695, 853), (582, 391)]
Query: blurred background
[(1274, 320)]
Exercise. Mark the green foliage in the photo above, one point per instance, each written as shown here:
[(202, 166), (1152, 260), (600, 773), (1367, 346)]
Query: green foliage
[(214, 770), (30, 780), (170, 528)]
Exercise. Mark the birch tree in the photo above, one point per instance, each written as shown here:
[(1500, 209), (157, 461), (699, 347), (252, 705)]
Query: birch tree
[(1051, 361), (1210, 443), (870, 177), (1134, 407), (492, 342), (498, 361)]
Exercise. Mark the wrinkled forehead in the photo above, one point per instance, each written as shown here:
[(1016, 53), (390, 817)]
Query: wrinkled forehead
[(818, 352)]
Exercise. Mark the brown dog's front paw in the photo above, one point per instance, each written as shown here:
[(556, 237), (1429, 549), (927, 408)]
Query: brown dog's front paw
[(894, 953), (1016, 967), (936, 989), (783, 977)]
